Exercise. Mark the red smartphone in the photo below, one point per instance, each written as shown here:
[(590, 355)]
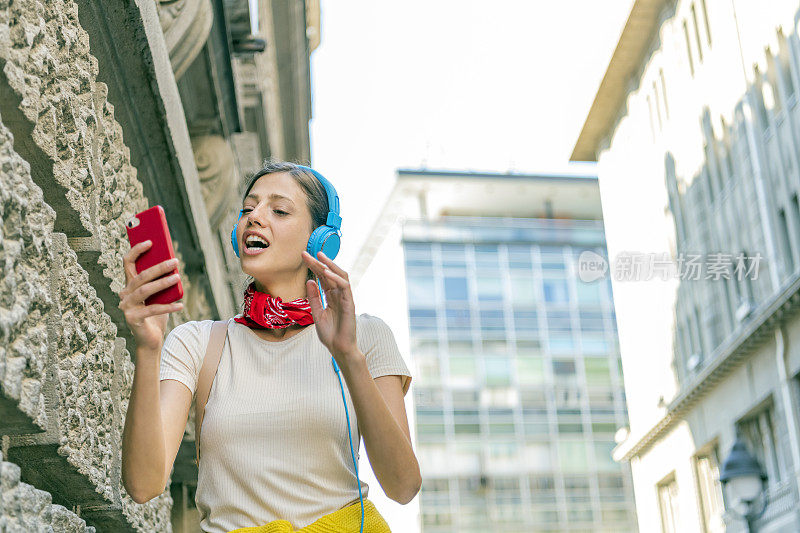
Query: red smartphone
[(151, 224)]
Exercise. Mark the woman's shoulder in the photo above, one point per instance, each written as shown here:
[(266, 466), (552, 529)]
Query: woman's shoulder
[(371, 327), (367, 320), (193, 331)]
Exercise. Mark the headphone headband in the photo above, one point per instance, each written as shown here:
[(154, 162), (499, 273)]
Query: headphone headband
[(334, 219)]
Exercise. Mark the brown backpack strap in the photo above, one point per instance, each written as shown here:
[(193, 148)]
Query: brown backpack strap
[(219, 331)]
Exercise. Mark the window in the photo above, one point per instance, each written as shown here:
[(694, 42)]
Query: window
[(519, 257), (572, 455), (668, 504), (559, 320), (421, 292), (455, 289), (490, 288), (526, 323), (597, 372), (492, 320), (430, 423), (418, 254), (706, 468), (590, 292), (552, 259), (422, 319), (523, 292), (487, 257), (564, 368), (560, 343), (453, 255), (555, 290), (530, 370), (758, 432), (498, 371), (458, 319), (602, 456)]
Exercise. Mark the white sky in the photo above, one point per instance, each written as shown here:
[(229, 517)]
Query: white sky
[(497, 85)]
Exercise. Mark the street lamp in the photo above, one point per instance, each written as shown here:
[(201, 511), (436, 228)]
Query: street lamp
[(744, 481)]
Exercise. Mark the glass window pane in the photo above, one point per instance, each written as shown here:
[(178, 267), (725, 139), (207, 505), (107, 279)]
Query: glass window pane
[(486, 257), (526, 322), (555, 290), (417, 254), (460, 348), (519, 257), (560, 343), (498, 371), (528, 348), (589, 292), (602, 456), (421, 292), (453, 255), (523, 292), (572, 455), (492, 319), (455, 289), (490, 288), (458, 319), (597, 371), (463, 368), (559, 320), (552, 258), (530, 370), (422, 319), (537, 457)]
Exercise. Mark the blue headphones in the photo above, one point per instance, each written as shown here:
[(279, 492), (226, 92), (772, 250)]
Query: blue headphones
[(326, 238)]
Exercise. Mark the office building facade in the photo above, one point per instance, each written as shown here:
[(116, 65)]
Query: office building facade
[(519, 391)]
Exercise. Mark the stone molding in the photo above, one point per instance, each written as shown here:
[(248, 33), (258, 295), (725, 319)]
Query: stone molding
[(186, 25)]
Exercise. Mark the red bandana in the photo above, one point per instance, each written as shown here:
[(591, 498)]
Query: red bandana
[(262, 311)]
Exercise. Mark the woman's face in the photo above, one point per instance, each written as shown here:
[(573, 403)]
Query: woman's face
[(275, 209)]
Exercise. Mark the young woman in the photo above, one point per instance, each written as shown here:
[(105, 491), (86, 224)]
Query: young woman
[(275, 445)]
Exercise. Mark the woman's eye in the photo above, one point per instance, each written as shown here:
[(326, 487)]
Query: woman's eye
[(280, 212), (246, 210)]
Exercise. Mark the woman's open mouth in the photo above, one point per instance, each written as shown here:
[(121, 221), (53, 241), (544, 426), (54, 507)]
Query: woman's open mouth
[(254, 245)]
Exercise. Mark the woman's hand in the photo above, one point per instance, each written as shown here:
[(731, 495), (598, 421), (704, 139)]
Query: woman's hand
[(146, 322), (336, 324)]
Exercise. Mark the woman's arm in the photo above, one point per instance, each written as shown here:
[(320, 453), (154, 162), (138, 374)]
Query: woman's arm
[(383, 422), (378, 402)]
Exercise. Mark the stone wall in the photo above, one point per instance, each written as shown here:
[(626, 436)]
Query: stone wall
[(66, 187)]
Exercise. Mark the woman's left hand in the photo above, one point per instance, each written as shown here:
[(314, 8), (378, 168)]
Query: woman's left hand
[(336, 324)]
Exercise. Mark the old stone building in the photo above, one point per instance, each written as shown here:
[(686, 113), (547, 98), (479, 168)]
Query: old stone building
[(106, 109)]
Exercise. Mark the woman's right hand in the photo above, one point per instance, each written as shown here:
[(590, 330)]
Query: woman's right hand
[(146, 322)]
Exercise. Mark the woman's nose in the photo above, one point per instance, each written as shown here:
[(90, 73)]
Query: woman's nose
[(253, 216)]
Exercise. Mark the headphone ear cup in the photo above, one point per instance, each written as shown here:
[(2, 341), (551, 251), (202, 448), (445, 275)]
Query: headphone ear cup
[(233, 241), (331, 245), (325, 239)]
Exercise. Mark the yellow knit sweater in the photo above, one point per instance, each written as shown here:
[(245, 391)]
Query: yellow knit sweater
[(345, 520)]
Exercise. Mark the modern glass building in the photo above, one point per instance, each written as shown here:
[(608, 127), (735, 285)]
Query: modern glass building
[(519, 389)]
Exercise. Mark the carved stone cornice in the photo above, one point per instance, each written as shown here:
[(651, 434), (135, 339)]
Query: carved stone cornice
[(186, 25)]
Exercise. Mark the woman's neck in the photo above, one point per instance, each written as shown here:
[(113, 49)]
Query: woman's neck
[(285, 291)]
